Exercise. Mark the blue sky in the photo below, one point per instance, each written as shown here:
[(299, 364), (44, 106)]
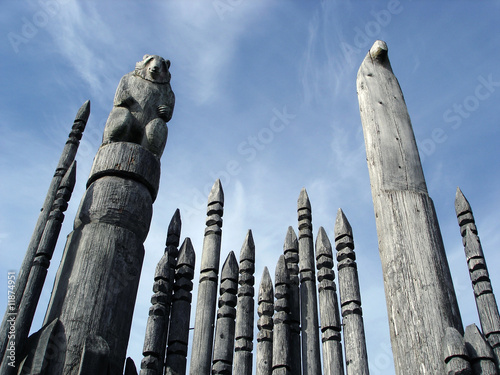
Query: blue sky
[(236, 66)]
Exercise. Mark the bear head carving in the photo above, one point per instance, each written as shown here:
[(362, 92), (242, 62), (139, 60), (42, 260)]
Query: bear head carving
[(153, 68)]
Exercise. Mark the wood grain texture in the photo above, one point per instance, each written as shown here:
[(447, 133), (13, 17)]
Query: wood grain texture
[(417, 278), (201, 355), (356, 356), (265, 311), (455, 354), (333, 362), (281, 331), (480, 352), (311, 362)]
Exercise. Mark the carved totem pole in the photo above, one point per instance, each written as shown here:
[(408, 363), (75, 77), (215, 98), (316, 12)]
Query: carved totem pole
[(95, 289)]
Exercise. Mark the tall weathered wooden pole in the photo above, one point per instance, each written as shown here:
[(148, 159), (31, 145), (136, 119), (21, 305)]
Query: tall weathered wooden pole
[(226, 315), (41, 261), (291, 252), (417, 278), (333, 362), (311, 363), (245, 312), (201, 355), (281, 331), (486, 303), (265, 325), (356, 357), (67, 157), (178, 334)]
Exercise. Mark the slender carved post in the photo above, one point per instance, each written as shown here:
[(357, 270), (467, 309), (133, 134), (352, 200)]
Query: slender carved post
[(417, 278), (178, 335), (201, 355), (481, 355), (245, 311), (224, 331), (483, 292), (329, 307), (281, 331), (311, 363), (456, 357), (65, 161), (172, 242), (42, 259), (265, 325), (356, 357), (159, 313), (291, 252)]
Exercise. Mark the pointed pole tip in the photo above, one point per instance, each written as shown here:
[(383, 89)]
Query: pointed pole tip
[(379, 49), (84, 112), (216, 194), (303, 201)]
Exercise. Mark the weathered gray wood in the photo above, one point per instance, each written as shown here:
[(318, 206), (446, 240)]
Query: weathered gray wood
[(281, 321), (291, 252), (155, 340), (483, 291), (265, 325), (311, 363), (41, 262), (102, 261), (178, 336), (65, 161), (243, 357), (201, 355), (333, 363), (410, 244), (356, 357), (226, 315), (95, 356), (456, 357), (480, 352)]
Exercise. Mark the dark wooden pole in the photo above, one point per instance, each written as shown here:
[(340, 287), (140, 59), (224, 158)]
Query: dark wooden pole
[(455, 354), (265, 325), (481, 355), (281, 331), (417, 277)]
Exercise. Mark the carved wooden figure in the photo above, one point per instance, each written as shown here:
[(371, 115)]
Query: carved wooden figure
[(245, 312), (417, 278), (483, 292), (281, 331), (66, 159), (311, 363), (356, 357), (333, 362), (291, 252), (178, 335), (201, 355), (226, 315), (265, 325)]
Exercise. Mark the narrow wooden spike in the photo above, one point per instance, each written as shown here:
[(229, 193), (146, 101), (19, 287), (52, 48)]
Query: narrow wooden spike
[(311, 363), (291, 252), (410, 243), (245, 312), (329, 307), (265, 325), (67, 157), (130, 368), (207, 291), (456, 357), (481, 355), (224, 331), (281, 330), (486, 303), (43, 256), (155, 340), (356, 357), (178, 335)]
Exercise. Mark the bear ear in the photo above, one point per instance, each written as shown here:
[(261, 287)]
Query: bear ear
[(168, 63), (145, 57)]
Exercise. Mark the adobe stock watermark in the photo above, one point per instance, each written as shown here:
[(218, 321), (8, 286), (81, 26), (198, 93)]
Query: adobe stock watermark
[(383, 361), (247, 151), (222, 7), (364, 38), (10, 353), (30, 26), (457, 113)]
